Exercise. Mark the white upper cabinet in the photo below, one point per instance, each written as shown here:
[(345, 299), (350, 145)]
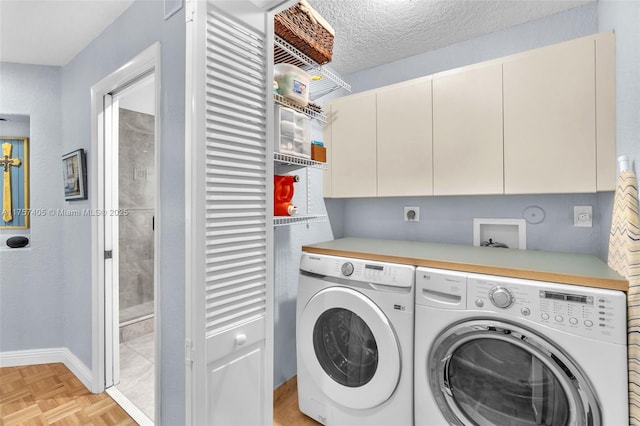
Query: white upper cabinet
[(606, 111), (353, 146), (550, 120), (538, 122), (404, 142), (467, 131)]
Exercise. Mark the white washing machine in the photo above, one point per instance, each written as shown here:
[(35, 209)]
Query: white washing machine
[(501, 351), (355, 341)]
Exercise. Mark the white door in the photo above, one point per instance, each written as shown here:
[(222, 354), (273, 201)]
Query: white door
[(229, 194)]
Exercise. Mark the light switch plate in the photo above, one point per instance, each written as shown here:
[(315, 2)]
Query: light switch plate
[(583, 216)]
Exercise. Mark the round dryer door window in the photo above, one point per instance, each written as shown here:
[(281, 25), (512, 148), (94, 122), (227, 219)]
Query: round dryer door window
[(494, 373), (349, 347)]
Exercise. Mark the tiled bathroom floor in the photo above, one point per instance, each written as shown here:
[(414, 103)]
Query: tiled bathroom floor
[(137, 372), (134, 313)]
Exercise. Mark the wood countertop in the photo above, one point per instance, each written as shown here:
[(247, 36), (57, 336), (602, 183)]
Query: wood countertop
[(566, 268)]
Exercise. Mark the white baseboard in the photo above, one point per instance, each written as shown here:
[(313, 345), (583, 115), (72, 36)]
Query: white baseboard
[(49, 356)]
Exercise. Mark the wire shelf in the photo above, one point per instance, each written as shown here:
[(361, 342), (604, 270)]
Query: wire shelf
[(331, 80), (298, 161), (298, 220), (320, 116)]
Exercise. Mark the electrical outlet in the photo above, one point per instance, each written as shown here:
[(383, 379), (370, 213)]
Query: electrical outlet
[(583, 216), (412, 214)]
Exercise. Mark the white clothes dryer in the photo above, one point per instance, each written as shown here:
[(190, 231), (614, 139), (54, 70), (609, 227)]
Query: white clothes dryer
[(502, 351), (355, 341)]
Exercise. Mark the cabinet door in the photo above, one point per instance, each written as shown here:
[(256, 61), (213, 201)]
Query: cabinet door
[(606, 110), (404, 147), (353, 146), (467, 132), (549, 120)]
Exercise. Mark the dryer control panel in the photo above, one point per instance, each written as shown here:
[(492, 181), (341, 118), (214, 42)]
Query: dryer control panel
[(586, 311)]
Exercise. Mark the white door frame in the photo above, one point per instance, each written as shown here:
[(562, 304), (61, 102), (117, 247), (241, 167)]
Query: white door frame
[(109, 149), (145, 62)]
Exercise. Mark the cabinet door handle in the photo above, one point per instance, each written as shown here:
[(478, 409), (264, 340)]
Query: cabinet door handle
[(241, 339)]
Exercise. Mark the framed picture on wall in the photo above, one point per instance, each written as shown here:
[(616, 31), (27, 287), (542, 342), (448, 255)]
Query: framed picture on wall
[(14, 180), (74, 175)]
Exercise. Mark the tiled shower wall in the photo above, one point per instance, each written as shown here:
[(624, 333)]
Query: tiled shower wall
[(137, 190)]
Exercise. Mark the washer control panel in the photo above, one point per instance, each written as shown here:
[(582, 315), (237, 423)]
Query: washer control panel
[(501, 297), (380, 273), (585, 311), (347, 269)]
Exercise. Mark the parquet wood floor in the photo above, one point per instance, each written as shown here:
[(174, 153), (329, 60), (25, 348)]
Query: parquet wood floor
[(285, 406), (49, 394)]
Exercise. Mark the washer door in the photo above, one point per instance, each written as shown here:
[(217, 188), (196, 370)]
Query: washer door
[(349, 347), (485, 372)]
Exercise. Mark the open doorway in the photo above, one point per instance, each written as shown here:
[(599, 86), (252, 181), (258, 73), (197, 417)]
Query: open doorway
[(125, 249), (133, 161)]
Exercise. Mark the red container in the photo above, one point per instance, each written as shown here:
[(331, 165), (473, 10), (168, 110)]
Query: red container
[(283, 188)]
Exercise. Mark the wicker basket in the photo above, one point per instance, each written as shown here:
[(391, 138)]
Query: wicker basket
[(308, 36)]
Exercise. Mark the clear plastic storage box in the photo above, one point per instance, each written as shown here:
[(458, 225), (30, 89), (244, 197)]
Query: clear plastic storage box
[(293, 83)]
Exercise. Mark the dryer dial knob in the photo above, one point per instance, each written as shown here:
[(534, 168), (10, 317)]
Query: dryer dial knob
[(347, 269), (501, 297)]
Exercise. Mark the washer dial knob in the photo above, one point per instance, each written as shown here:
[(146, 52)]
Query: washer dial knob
[(501, 297), (347, 269)]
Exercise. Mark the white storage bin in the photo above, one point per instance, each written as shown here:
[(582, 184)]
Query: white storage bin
[(287, 114), (293, 132), (293, 83), (302, 148), (302, 135)]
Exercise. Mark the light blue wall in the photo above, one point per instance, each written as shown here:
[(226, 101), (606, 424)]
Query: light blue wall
[(31, 279), (138, 28), (623, 16), (288, 241), (449, 219)]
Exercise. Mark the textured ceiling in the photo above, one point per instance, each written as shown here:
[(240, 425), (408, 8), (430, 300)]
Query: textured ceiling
[(52, 32), (368, 32), (374, 32)]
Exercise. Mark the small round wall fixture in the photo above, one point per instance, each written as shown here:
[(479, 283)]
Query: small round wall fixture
[(533, 214), (17, 242)]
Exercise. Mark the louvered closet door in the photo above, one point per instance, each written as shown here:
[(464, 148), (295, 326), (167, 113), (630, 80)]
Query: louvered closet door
[(237, 223)]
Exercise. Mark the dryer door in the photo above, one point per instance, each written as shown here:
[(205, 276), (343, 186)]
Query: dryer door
[(485, 372), (349, 347)]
